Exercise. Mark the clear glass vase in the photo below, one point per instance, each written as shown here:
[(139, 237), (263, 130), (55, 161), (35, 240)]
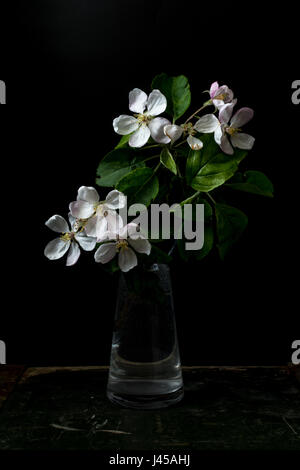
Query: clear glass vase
[(145, 368)]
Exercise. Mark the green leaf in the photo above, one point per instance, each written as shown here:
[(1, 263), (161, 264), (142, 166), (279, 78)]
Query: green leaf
[(140, 186), (123, 141), (214, 173), (167, 160), (176, 90), (214, 167), (210, 149), (254, 182), (208, 210), (231, 223), (193, 164), (199, 254), (116, 164), (208, 243), (208, 235)]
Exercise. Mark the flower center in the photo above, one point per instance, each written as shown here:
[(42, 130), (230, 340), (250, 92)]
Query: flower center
[(67, 237), (143, 118), (221, 96), (232, 130), (121, 244), (99, 210), (188, 128)]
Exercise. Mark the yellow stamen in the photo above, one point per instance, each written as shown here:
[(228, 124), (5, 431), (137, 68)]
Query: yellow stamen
[(232, 130), (221, 96), (188, 128), (143, 118), (67, 237), (121, 244)]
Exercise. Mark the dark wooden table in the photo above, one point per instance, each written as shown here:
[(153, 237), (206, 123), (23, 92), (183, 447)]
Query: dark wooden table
[(236, 408)]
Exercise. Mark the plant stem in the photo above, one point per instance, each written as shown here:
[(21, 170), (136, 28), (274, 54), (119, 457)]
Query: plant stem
[(178, 145), (152, 158), (152, 146), (156, 168), (191, 198), (211, 198), (196, 112), (172, 248), (178, 171)]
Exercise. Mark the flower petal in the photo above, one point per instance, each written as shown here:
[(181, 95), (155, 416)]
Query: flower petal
[(124, 125), (130, 230), (243, 141), (173, 131), (218, 135), (140, 137), (207, 123), (156, 104), (156, 127), (224, 94), (72, 221), (58, 224), (56, 248), (127, 259), (241, 117), (73, 254), (226, 112), (194, 143), (108, 236), (213, 89), (218, 103), (101, 227), (81, 209), (105, 253), (114, 221), (226, 145), (88, 194), (86, 243), (141, 245), (91, 226), (137, 101), (115, 200)]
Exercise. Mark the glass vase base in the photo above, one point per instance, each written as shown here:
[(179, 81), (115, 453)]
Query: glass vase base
[(146, 402)]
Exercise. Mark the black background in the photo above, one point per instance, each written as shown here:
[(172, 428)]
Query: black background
[(68, 66)]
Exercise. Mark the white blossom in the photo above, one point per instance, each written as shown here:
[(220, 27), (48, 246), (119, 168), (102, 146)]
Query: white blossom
[(206, 124), (123, 243), (101, 215), (144, 122), (220, 95), (69, 241), (230, 127)]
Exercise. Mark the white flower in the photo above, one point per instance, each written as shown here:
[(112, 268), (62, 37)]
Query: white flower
[(206, 124), (231, 127), (143, 123), (69, 240), (220, 95), (122, 243), (102, 215)]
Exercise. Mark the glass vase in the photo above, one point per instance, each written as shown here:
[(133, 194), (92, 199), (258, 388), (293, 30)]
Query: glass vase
[(145, 368)]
